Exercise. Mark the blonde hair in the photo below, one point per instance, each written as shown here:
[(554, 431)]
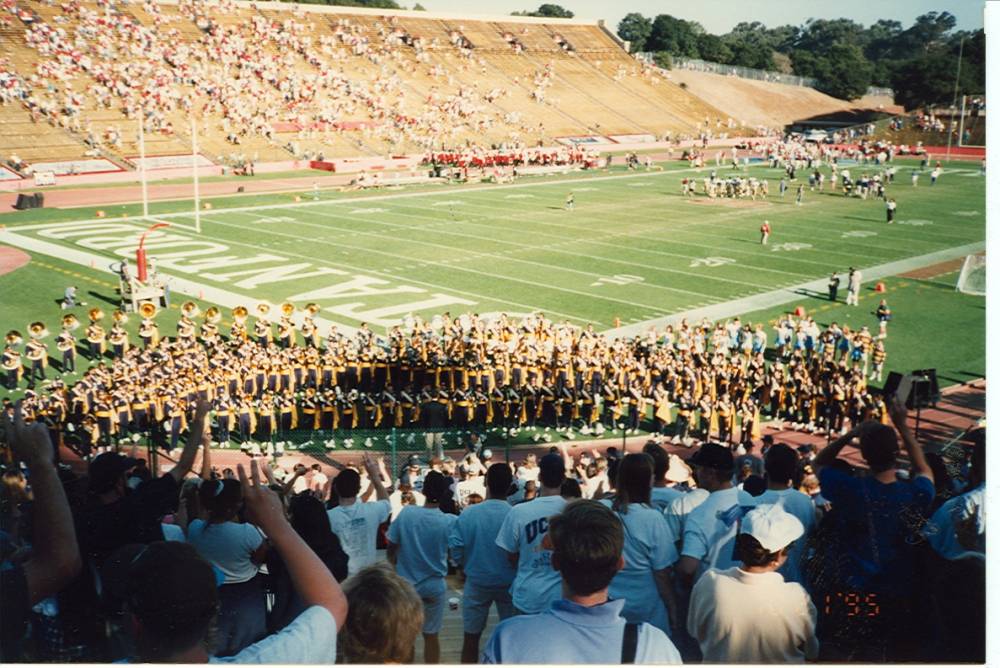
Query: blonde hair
[(385, 616)]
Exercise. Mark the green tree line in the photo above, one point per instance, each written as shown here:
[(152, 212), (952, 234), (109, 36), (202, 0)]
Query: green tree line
[(845, 57)]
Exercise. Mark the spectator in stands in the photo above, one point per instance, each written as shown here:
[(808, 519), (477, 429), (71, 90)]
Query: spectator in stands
[(710, 528), (418, 546), (385, 615), (585, 626), (355, 522), (646, 581), (173, 599), (55, 559), (874, 521), (536, 585), (307, 516), (781, 463), (748, 613), (665, 467), (488, 573), (237, 549)]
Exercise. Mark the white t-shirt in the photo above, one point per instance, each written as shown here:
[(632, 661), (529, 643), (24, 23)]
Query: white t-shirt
[(228, 547), (801, 505), (311, 638), (536, 584), (740, 617), (526, 473), (464, 488), (356, 526), (940, 530), (396, 502)]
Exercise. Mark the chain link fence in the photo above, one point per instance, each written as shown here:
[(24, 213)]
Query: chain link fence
[(698, 65)]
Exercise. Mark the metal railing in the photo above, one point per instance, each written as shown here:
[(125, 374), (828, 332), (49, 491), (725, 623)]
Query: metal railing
[(698, 65)]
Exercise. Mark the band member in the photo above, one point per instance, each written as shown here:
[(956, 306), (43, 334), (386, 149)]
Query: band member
[(96, 336), (12, 361)]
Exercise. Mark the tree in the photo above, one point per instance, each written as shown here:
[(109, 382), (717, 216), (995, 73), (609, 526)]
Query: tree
[(548, 11), (635, 29), (714, 49), (419, 8), (675, 36), (847, 73)]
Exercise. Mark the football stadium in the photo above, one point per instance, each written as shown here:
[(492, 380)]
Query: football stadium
[(354, 332)]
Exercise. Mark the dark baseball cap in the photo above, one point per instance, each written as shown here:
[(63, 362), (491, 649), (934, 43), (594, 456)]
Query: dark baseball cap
[(106, 469), (713, 456), (414, 460)]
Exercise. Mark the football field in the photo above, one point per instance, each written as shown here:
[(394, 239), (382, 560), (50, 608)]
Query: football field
[(632, 251)]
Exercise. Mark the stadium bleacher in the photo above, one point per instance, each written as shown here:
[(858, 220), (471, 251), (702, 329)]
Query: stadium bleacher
[(277, 82)]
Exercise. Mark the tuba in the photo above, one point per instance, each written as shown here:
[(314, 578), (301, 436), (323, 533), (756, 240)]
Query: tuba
[(287, 309), (240, 314), (147, 310), (263, 309), (37, 330), (189, 309), (119, 317), (213, 315), (14, 338), (95, 314), (69, 322), (312, 308)]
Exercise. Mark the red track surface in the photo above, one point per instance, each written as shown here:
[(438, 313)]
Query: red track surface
[(12, 259)]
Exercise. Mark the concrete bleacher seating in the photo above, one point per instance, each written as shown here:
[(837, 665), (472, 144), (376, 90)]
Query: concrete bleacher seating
[(593, 87), (767, 103)]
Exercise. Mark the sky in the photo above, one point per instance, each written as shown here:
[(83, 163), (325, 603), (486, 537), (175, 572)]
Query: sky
[(719, 16)]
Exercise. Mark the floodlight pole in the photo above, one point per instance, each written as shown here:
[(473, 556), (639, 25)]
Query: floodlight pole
[(142, 163), (954, 99), (194, 167)]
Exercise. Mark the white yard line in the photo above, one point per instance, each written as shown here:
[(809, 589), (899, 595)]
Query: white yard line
[(723, 310)]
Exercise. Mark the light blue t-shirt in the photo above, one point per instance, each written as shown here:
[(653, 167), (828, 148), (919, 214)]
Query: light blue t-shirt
[(473, 544), (710, 529), (940, 529), (569, 633), (660, 497), (536, 585), (227, 546), (649, 547), (311, 638), (422, 537), (801, 505)]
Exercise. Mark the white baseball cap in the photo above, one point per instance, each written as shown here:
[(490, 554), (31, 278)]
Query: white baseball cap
[(772, 526)]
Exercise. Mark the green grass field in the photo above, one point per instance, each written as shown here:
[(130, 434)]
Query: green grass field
[(633, 250)]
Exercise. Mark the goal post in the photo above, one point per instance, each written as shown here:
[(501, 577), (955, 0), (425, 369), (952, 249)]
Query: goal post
[(972, 279)]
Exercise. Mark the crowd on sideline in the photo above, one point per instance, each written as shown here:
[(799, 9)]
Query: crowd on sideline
[(604, 557)]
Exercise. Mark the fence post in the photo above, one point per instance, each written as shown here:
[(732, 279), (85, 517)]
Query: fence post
[(392, 450)]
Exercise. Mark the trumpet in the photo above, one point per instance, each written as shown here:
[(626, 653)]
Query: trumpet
[(263, 309), (70, 322), (14, 338), (147, 310), (189, 309), (213, 315), (287, 309), (240, 314), (312, 308), (119, 317), (37, 330), (95, 314)]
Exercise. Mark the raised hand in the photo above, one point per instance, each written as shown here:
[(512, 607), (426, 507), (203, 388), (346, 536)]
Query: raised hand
[(263, 506), (29, 441)]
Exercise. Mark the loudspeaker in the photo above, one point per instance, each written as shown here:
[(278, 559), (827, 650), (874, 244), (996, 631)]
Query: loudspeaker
[(24, 202), (239, 189), (925, 392), (892, 382), (39, 200)]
